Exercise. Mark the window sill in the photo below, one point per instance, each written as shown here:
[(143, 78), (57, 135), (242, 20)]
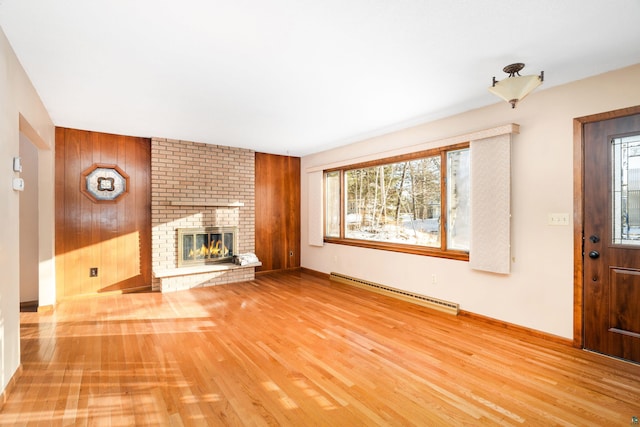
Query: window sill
[(407, 249)]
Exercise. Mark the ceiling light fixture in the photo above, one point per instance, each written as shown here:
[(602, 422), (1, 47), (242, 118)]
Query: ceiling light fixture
[(515, 87)]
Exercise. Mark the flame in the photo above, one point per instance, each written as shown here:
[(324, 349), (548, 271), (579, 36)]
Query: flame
[(215, 251), (219, 249), (204, 251)]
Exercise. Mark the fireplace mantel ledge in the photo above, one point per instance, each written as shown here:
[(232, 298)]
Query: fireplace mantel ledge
[(185, 271), (207, 204)]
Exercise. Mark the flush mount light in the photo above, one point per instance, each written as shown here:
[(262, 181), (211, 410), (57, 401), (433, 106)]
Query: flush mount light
[(515, 87)]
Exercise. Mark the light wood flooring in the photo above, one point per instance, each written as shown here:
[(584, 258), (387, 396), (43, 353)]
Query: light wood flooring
[(293, 349)]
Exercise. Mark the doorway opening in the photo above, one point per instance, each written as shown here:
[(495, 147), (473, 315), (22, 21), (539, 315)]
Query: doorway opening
[(29, 239)]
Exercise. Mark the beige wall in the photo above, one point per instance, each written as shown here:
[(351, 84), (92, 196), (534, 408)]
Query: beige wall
[(21, 111), (539, 291), (29, 222)]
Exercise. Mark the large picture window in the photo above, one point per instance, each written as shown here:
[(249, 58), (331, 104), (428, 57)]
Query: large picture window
[(416, 203)]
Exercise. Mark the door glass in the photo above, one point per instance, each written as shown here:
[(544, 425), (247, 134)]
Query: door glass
[(625, 157)]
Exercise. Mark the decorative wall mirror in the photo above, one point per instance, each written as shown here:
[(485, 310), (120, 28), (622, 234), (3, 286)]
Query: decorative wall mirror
[(104, 183)]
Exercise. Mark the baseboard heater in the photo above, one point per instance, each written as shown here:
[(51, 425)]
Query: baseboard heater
[(434, 303)]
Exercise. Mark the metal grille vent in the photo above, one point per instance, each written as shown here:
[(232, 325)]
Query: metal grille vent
[(425, 301)]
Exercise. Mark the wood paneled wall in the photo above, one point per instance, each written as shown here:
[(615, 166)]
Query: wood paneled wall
[(277, 211), (113, 237)]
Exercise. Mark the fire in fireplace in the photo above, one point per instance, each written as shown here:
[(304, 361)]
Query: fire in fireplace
[(207, 245)]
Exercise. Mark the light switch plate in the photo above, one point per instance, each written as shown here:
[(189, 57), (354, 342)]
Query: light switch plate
[(558, 219)]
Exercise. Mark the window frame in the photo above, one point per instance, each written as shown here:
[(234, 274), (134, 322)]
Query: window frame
[(442, 251)]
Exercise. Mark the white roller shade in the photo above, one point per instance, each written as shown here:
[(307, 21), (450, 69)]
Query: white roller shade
[(490, 246)]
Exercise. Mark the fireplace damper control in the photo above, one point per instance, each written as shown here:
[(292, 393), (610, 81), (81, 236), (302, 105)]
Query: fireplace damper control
[(93, 272)]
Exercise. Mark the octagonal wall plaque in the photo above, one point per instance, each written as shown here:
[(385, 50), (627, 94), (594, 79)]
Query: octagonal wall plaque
[(104, 183)]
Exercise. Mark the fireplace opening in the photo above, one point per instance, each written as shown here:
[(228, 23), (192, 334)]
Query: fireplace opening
[(207, 245)]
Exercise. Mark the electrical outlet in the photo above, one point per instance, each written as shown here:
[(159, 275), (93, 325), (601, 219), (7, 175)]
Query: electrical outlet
[(93, 272)]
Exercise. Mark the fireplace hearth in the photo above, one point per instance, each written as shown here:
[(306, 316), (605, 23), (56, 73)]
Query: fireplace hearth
[(206, 245)]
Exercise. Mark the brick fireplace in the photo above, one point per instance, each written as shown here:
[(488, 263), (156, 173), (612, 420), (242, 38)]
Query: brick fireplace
[(200, 186)]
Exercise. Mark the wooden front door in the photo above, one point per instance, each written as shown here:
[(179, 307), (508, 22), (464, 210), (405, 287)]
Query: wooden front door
[(612, 237), (103, 212)]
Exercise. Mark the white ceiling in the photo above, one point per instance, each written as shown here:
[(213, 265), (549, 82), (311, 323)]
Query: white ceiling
[(299, 76)]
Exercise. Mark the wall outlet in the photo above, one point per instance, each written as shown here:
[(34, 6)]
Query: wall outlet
[(93, 272)]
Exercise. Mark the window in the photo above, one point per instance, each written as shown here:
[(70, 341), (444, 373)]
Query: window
[(416, 203), (625, 209)]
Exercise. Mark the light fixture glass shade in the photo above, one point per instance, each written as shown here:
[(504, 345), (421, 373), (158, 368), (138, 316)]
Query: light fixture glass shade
[(514, 89)]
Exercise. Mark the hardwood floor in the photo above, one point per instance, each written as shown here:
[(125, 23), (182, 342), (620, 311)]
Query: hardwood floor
[(295, 349)]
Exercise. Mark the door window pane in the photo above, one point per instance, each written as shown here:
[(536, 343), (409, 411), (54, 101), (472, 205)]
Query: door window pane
[(625, 158)]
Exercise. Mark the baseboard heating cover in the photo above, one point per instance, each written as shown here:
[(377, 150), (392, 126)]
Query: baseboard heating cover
[(425, 301)]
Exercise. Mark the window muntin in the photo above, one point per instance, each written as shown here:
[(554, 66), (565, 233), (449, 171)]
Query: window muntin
[(403, 203)]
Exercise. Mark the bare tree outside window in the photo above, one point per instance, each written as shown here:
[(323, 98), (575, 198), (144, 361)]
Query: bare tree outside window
[(401, 202), (395, 203)]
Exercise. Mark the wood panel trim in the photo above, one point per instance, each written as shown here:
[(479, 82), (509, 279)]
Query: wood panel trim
[(402, 248), (280, 271), (277, 205), (578, 213), (85, 229), (315, 273), (516, 328)]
